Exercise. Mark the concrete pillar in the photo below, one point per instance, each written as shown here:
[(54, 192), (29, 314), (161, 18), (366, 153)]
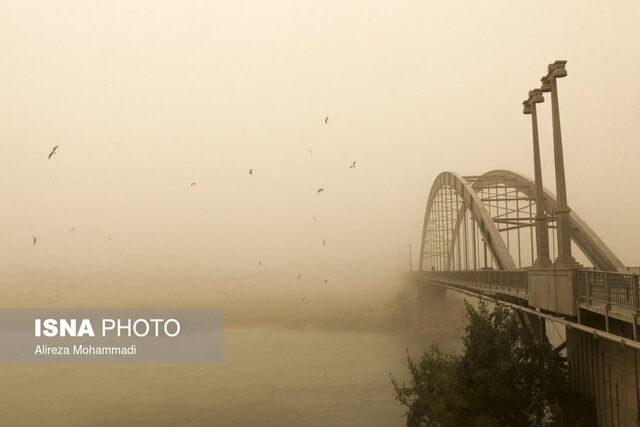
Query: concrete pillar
[(542, 232), (429, 304), (555, 71)]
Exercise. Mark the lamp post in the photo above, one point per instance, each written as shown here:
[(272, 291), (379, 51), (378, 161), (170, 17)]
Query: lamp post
[(542, 233), (549, 84)]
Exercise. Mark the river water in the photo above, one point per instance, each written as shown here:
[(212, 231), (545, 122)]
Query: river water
[(269, 377)]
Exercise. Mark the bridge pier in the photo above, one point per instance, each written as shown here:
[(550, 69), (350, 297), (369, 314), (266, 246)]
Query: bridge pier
[(607, 373), (553, 289), (430, 302)]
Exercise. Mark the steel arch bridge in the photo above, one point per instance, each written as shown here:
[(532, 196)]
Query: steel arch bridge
[(487, 222), (478, 238)]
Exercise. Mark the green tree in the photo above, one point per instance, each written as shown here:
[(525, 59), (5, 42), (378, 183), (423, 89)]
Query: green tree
[(503, 376)]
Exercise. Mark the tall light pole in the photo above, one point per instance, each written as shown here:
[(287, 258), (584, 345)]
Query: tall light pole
[(542, 233), (549, 84)]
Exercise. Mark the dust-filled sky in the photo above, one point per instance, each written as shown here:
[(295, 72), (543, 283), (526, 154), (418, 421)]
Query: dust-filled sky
[(145, 97)]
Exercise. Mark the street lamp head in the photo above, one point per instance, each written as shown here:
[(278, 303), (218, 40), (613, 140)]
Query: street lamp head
[(557, 69), (527, 107), (546, 84), (535, 96)]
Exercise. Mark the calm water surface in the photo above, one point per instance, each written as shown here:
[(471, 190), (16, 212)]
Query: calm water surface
[(270, 377)]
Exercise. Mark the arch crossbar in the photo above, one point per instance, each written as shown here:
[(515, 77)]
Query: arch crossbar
[(582, 235)]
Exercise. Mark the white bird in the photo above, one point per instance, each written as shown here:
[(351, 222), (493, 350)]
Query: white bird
[(353, 165), (310, 152), (53, 151)]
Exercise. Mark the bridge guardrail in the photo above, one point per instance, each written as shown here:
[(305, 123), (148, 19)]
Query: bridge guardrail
[(608, 287), (516, 279), (620, 289)]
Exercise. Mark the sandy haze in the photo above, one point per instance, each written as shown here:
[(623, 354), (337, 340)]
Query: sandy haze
[(144, 98)]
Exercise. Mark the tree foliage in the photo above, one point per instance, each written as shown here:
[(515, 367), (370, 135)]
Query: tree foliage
[(503, 376)]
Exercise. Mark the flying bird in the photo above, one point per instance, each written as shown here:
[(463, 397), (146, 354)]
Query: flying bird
[(53, 151), (250, 171), (35, 239), (71, 229), (326, 281), (326, 120), (303, 298), (310, 152), (299, 276), (320, 190), (353, 165), (193, 184), (314, 218), (260, 263), (324, 243)]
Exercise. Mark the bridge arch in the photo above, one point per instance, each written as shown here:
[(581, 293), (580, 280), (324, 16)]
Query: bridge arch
[(582, 235), (434, 218), (443, 221)]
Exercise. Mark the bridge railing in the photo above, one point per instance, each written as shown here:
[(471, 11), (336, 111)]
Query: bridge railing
[(516, 279), (619, 289)]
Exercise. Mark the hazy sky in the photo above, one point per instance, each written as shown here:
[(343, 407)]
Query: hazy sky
[(145, 97)]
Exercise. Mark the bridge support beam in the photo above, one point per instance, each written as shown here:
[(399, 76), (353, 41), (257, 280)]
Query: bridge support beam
[(553, 289), (535, 324)]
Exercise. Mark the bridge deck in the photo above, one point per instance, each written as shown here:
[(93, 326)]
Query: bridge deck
[(486, 288)]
